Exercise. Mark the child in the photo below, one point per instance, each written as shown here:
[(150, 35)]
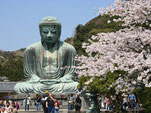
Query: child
[(124, 104), (56, 106), (14, 107), (7, 107), (10, 110), (2, 106)]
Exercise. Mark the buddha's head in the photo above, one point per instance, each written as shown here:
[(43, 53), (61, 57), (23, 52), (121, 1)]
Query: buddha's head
[(50, 30)]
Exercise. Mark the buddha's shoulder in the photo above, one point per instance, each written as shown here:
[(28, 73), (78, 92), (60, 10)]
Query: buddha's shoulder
[(33, 46), (67, 46)]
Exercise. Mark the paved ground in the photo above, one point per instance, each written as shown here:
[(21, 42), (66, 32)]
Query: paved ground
[(60, 111), (66, 111), (34, 111)]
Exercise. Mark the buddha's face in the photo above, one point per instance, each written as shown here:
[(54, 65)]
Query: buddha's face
[(50, 33)]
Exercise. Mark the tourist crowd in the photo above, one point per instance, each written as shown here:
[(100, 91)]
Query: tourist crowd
[(46, 100), (74, 102), (131, 101), (49, 104), (8, 106), (52, 105)]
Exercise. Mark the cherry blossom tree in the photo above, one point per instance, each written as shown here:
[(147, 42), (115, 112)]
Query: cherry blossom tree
[(128, 49)]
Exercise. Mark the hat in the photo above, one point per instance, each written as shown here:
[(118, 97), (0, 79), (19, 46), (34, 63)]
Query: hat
[(7, 97), (46, 91)]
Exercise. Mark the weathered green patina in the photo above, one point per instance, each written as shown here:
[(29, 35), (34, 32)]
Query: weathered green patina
[(93, 108), (49, 64)]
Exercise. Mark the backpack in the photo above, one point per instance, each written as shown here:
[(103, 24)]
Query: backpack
[(131, 97), (17, 106), (43, 101)]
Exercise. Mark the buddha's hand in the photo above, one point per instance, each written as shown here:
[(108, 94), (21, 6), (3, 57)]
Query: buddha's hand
[(49, 81), (34, 79), (66, 79)]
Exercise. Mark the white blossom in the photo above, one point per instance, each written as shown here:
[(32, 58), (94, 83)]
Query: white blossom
[(128, 49), (109, 21)]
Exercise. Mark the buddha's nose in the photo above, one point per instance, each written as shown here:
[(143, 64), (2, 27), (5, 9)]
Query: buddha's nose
[(49, 34)]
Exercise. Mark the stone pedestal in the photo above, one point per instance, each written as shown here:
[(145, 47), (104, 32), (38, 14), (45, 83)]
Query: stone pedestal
[(85, 101), (93, 103)]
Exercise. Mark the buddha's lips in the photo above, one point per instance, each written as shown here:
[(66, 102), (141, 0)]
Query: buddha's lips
[(49, 40)]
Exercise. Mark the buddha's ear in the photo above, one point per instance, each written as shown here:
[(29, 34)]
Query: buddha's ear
[(40, 28), (59, 32)]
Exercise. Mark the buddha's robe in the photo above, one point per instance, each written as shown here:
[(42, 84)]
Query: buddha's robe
[(54, 72)]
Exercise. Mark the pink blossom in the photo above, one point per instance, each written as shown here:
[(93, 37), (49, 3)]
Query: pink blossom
[(129, 48)]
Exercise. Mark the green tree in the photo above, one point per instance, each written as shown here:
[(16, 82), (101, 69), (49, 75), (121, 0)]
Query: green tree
[(13, 68)]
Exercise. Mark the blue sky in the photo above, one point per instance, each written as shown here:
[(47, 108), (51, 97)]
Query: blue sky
[(19, 19)]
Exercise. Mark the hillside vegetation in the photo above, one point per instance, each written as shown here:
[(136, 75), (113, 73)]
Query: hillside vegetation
[(11, 62), (94, 26), (11, 65)]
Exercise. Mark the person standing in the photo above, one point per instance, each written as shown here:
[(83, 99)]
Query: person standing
[(57, 104), (50, 103), (77, 103), (7, 107), (136, 103), (107, 108), (38, 100), (99, 100), (7, 100), (69, 105), (132, 101), (71, 101), (14, 107), (2, 106), (17, 105), (124, 104), (27, 100), (112, 103), (43, 101)]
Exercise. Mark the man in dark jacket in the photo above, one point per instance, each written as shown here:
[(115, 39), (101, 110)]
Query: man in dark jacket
[(43, 102), (50, 104), (77, 103)]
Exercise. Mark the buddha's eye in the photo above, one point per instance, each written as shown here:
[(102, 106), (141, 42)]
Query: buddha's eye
[(53, 31), (45, 31)]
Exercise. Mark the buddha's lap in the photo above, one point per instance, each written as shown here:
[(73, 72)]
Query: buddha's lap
[(39, 87)]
